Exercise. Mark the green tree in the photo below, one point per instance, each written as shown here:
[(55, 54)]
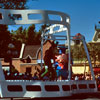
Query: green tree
[(5, 36), (28, 36), (94, 50), (18, 37), (24, 33), (19, 34), (13, 4), (78, 52), (31, 35), (38, 38)]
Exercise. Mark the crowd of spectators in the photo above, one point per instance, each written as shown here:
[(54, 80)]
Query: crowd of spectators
[(19, 76), (28, 76), (81, 77), (97, 77)]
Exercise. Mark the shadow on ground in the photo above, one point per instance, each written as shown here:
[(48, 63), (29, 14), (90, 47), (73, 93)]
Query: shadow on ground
[(92, 96)]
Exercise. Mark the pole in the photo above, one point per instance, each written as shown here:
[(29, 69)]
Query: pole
[(88, 57), (10, 63), (42, 36), (69, 54)]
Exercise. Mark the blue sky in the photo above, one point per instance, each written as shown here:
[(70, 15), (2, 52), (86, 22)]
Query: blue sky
[(84, 14)]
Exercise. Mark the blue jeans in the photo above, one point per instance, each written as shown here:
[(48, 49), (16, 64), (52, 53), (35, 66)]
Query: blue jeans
[(63, 73)]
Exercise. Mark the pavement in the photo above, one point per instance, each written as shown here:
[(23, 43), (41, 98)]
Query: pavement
[(92, 96)]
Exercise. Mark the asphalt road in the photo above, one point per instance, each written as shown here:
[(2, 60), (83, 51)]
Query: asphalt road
[(94, 96)]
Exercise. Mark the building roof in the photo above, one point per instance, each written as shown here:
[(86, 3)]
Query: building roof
[(31, 51)]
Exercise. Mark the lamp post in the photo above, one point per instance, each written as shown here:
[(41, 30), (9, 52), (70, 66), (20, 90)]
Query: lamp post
[(11, 53)]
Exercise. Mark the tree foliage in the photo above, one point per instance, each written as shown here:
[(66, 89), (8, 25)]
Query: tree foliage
[(28, 36), (31, 35), (94, 50), (13, 4), (5, 36), (78, 52)]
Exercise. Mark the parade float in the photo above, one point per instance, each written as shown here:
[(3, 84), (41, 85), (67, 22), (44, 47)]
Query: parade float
[(48, 88)]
